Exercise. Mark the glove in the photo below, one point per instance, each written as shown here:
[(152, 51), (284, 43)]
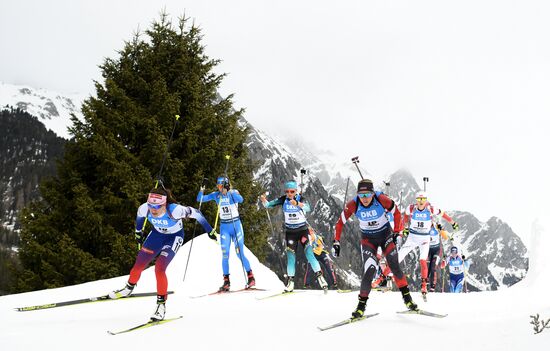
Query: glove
[(455, 226), (140, 238), (405, 232), (443, 263), (213, 235), (394, 237), (293, 202), (439, 226), (463, 257), (202, 189), (451, 236), (226, 186), (336, 248)]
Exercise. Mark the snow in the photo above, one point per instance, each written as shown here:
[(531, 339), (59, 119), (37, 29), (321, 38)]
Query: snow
[(52, 108), (497, 320)]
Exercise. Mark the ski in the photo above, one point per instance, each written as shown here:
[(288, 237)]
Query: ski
[(149, 324), (347, 321), (344, 291), (284, 293), (82, 301), (424, 313), (382, 289), (228, 292)]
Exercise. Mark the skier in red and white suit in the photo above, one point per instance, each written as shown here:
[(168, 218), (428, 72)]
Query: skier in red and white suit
[(371, 209), (418, 221)]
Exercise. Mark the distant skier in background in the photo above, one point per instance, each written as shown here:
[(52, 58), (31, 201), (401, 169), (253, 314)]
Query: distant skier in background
[(418, 222), (457, 264), (162, 242), (231, 228), (434, 255), (296, 231), (370, 208), (322, 256)]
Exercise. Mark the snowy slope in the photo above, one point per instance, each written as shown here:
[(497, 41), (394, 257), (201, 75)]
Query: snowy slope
[(497, 320), (53, 109)]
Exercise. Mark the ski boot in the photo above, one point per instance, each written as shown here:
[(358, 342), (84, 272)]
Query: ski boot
[(160, 311), (405, 292), (226, 284), (289, 285), (424, 289), (322, 282), (251, 281), (360, 310), (124, 292)]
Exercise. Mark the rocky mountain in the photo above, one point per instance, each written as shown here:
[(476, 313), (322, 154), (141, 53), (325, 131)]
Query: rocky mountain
[(27, 153), (498, 256)]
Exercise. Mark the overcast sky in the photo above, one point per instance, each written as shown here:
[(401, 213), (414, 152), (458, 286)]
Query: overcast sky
[(455, 90)]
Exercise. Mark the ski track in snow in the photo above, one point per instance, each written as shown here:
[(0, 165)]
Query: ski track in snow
[(477, 321)]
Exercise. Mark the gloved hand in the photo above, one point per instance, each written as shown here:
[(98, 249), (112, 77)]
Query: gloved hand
[(213, 235), (455, 226), (394, 237), (140, 238), (263, 199), (439, 226), (451, 236), (405, 233), (443, 263), (463, 257), (294, 202), (226, 186), (202, 188), (336, 248)]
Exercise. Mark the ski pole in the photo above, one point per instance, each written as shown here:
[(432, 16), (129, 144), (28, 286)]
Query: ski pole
[(220, 196), (387, 184), (302, 172), (425, 179), (159, 175), (344, 204), (167, 148), (355, 161), (273, 235), (193, 237)]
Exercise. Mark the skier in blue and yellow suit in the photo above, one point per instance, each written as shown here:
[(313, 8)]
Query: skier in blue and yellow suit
[(231, 228), (296, 231)]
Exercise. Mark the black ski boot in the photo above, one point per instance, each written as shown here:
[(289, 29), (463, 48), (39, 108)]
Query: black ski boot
[(226, 284), (360, 310), (251, 281), (289, 285), (408, 299)]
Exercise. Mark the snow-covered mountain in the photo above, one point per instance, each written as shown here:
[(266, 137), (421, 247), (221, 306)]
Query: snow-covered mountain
[(495, 320), (52, 108), (498, 256)]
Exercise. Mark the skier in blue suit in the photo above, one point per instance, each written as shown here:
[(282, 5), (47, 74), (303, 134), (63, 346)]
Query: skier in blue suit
[(231, 228), (456, 265)]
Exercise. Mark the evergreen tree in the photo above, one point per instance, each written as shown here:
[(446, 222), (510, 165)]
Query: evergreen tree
[(80, 230)]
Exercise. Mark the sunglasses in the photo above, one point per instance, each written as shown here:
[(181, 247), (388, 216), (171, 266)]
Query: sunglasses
[(421, 199), (365, 195), (290, 191), (154, 207)]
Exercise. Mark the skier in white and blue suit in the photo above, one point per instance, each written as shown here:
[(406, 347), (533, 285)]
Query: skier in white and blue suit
[(296, 231), (456, 265), (231, 228)]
